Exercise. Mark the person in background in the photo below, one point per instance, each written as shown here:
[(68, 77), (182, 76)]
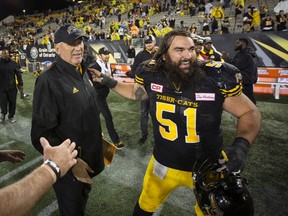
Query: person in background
[(244, 61), (187, 99), (10, 81), (131, 52), (20, 197), (198, 41), (102, 64), (145, 55), (281, 20), (267, 23), (65, 106), (225, 24), (209, 52)]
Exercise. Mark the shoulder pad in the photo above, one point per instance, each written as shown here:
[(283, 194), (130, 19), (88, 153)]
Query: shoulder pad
[(227, 77)]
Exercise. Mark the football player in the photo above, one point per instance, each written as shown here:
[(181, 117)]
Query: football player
[(186, 104)]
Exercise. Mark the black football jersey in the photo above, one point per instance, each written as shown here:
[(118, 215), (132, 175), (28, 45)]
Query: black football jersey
[(186, 122)]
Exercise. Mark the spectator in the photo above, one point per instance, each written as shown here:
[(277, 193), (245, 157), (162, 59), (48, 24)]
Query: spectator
[(145, 55), (214, 26), (209, 52), (131, 52), (225, 24), (247, 20), (267, 24), (281, 20), (244, 61), (238, 9), (263, 10), (10, 80)]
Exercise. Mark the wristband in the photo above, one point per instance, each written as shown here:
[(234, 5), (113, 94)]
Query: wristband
[(242, 143), (107, 81), (55, 168)]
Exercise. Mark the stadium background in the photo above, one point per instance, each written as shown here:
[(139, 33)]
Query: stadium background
[(117, 189)]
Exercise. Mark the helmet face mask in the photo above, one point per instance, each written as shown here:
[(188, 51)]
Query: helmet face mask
[(220, 193)]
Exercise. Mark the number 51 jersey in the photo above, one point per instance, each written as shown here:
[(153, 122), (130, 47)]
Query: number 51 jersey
[(186, 121)]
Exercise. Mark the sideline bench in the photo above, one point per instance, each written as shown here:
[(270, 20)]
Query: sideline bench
[(272, 81)]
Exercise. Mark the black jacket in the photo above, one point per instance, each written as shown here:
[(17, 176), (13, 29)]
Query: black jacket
[(64, 106), (244, 61), (139, 59), (8, 70)]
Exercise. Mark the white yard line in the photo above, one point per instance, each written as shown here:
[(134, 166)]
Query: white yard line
[(49, 209), (5, 145)]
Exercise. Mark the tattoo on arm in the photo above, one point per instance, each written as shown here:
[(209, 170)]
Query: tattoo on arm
[(139, 93)]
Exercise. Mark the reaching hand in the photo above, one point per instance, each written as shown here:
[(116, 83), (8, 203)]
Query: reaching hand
[(96, 75), (63, 155), (13, 156), (80, 171)]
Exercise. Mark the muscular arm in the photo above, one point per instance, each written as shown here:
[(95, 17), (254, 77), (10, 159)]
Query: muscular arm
[(249, 117), (132, 91), (19, 198)]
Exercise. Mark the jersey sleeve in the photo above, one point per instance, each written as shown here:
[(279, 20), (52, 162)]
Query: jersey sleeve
[(139, 75), (143, 69), (226, 76)]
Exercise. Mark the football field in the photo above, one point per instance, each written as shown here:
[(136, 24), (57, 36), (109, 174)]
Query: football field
[(116, 190)]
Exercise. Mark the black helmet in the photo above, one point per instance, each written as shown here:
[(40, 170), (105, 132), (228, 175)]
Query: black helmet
[(219, 193)]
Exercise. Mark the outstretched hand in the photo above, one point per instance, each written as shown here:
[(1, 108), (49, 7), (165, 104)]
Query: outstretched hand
[(96, 75), (13, 156), (63, 155)]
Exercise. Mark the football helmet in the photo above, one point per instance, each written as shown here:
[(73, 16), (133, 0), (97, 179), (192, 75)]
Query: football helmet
[(219, 193)]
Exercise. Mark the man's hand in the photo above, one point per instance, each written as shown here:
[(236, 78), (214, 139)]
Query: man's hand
[(234, 156), (96, 75), (102, 78), (13, 156), (63, 155), (80, 171)]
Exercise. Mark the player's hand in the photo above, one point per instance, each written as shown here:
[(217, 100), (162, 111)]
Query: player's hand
[(80, 171), (96, 75), (13, 156), (234, 157)]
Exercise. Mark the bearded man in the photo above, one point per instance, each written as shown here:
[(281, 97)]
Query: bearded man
[(186, 104)]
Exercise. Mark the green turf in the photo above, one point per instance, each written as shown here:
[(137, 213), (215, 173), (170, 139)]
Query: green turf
[(116, 190)]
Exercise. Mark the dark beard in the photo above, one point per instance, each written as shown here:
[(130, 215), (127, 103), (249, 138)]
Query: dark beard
[(176, 76), (238, 48)]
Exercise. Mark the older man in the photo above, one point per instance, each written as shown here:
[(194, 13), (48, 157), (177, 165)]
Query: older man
[(65, 106)]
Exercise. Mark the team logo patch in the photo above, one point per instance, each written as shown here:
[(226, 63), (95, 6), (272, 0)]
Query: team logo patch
[(156, 87), (205, 96), (75, 90)]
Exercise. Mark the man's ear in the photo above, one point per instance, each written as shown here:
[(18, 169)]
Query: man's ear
[(57, 48)]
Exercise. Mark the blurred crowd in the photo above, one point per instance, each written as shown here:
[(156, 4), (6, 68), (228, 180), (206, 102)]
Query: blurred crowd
[(123, 20)]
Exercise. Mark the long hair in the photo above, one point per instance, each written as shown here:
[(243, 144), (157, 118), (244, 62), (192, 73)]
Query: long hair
[(165, 45), (159, 65)]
